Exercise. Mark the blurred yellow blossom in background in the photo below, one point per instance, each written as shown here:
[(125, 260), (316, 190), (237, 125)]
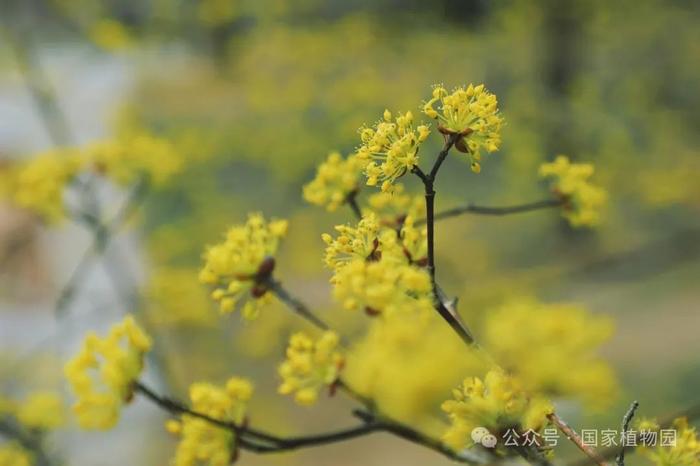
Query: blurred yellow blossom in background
[(408, 362), (102, 373), (175, 297), (39, 184), (136, 154), (553, 348), (41, 410), (392, 208), (13, 454), (582, 200)]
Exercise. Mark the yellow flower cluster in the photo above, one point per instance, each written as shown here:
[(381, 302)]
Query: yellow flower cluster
[(237, 267), (497, 402), (552, 348), (335, 180), (360, 242), (377, 269), (13, 454), (102, 373), (42, 410), (570, 181), (310, 366), (38, 185), (472, 113), (393, 208), (371, 241), (381, 287), (202, 443), (390, 148), (686, 451), (136, 154), (414, 241), (174, 298), (406, 362)]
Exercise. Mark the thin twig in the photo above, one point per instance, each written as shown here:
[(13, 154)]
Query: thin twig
[(448, 313), (620, 460), (295, 304), (496, 211), (574, 437), (248, 437), (420, 174), (351, 200), (388, 425), (429, 183), (295, 443), (692, 412), (176, 407), (408, 433), (442, 155)]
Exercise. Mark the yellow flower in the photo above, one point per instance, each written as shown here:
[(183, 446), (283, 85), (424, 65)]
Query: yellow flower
[(472, 113), (570, 181), (310, 366), (685, 451), (135, 154), (407, 361), (13, 454), (498, 402), (361, 242), (41, 410), (552, 348), (335, 180), (102, 373), (39, 184), (384, 286), (371, 242), (390, 149), (393, 207), (237, 267), (414, 241), (202, 443)]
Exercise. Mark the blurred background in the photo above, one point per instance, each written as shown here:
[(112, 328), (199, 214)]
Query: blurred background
[(255, 94)]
